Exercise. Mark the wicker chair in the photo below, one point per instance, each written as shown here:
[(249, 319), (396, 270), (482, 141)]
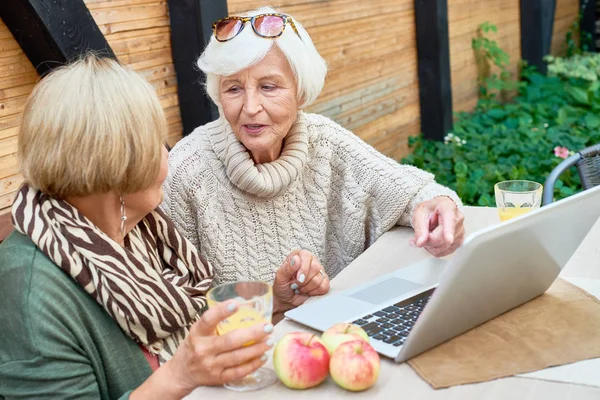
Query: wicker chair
[(587, 162)]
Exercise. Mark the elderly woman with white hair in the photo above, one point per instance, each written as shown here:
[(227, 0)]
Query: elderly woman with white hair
[(267, 177)]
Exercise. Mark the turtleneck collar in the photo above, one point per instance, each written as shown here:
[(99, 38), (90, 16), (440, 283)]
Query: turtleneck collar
[(263, 180)]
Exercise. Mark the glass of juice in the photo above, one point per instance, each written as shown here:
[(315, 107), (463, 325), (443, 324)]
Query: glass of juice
[(255, 305), (514, 198)]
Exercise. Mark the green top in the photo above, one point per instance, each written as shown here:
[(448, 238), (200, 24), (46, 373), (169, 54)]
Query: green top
[(55, 340)]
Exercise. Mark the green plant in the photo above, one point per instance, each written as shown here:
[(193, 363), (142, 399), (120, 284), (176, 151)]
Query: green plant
[(584, 66), (518, 140), (579, 74), (493, 77), (578, 42)]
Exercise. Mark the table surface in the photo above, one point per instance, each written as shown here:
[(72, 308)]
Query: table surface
[(399, 381)]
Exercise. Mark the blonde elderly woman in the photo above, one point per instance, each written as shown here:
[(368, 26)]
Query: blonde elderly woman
[(267, 177), (97, 286)]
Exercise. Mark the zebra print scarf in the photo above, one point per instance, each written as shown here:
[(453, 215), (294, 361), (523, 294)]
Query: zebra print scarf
[(154, 287)]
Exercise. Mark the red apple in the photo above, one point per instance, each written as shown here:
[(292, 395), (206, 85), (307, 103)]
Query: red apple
[(354, 365), (342, 332), (301, 360)]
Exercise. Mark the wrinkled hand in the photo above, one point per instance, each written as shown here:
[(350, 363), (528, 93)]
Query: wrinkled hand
[(204, 359), (300, 276), (438, 225)]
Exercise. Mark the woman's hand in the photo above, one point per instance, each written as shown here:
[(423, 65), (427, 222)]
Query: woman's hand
[(438, 225), (204, 359), (300, 276)]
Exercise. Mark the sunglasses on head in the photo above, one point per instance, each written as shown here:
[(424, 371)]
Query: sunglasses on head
[(264, 25)]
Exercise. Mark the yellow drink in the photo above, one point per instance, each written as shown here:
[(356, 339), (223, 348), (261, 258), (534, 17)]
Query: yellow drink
[(254, 301), (512, 212), (245, 317)]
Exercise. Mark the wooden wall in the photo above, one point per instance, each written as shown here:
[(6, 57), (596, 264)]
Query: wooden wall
[(17, 78), (464, 17), (138, 32), (564, 17), (371, 88)]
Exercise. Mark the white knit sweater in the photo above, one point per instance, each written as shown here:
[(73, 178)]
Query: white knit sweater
[(329, 193)]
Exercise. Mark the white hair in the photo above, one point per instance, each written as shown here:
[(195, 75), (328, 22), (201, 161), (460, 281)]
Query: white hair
[(246, 49)]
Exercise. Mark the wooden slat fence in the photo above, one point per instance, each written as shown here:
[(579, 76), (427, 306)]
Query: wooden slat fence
[(370, 46)]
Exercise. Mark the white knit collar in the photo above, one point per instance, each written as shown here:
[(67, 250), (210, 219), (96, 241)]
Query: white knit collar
[(263, 180)]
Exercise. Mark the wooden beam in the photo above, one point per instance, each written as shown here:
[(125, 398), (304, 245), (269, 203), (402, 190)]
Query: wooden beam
[(52, 33), (537, 24), (435, 86), (588, 24), (191, 29)]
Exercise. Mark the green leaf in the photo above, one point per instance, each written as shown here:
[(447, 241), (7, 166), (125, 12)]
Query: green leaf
[(563, 115), (533, 93), (578, 94), (497, 113), (537, 79), (486, 201), (461, 169), (566, 191), (592, 121)]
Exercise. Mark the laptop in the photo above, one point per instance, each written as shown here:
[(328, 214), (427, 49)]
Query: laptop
[(498, 268)]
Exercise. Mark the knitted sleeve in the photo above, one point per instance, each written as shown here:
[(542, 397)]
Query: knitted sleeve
[(394, 189), (178, 202)]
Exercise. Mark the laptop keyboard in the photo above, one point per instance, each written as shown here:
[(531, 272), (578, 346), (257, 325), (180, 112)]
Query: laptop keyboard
[(392, 324)]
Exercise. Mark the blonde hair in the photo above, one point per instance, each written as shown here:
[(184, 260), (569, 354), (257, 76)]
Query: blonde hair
[(91, 127), (247, 49)]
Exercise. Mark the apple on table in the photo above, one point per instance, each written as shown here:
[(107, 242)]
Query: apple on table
[(354, 365), (301, 360), (342, 332)]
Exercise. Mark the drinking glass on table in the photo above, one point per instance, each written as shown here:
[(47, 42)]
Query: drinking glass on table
[(255, 305), (514, 198)]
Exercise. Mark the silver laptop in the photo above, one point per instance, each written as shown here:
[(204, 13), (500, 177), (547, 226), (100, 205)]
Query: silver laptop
[(496, 269)]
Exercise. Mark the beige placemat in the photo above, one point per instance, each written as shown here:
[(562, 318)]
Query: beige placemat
[(559, 327)]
